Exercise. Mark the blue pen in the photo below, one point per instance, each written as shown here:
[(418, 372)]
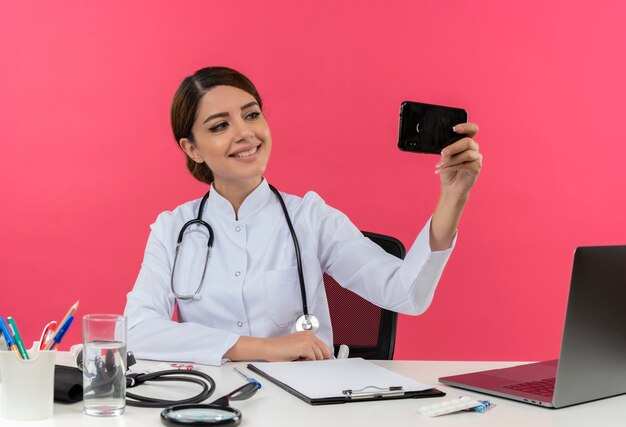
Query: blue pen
[(247, 378), (60, 334), (8, 337)]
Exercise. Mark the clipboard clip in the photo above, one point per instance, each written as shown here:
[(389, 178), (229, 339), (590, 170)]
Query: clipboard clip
[(377, 393)]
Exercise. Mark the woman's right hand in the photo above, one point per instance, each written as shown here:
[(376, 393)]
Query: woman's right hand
[(304, 345)]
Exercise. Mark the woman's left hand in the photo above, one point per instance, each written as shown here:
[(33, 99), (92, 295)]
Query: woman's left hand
[(460, 163)]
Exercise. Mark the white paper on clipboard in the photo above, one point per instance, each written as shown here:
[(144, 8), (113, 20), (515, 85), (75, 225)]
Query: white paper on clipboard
[(320, 379)]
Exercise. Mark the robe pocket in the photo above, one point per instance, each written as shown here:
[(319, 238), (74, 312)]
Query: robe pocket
[(283, 298)]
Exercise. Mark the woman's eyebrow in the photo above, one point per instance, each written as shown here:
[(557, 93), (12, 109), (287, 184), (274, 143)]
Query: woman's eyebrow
[(215, 116), (249, 104)]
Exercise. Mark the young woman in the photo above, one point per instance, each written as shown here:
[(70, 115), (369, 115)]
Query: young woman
[(244, 298)]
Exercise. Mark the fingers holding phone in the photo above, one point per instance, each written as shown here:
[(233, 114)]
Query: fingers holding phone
[(467, 129), (461, 161), (464, 148)]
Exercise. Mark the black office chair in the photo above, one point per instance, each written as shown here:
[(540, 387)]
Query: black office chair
[(369, 331)]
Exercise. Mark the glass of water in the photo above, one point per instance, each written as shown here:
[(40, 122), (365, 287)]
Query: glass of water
[(104, 364)]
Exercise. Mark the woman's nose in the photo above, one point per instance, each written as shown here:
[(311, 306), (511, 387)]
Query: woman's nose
[(243, 130)]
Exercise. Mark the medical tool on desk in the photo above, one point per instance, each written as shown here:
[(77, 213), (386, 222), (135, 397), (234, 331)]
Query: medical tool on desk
[(216, 413), (203, 380), (108, 374), (306, 322)]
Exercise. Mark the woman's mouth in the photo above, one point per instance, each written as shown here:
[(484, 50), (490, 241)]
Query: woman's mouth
[(246, 153)]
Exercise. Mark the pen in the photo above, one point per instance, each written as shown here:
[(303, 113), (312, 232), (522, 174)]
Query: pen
[(8, 337), (247, 378), (70, 312), (61, 333), (17, 338), (46, 335)]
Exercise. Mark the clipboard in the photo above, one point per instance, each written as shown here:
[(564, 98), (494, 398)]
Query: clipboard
[(324, 382)]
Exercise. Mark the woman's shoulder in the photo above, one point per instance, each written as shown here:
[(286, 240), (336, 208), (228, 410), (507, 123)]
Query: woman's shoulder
[(177, 216), (298, 203), (310, 206)]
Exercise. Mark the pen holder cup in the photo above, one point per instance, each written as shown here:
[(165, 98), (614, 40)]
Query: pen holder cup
[(27, 386)]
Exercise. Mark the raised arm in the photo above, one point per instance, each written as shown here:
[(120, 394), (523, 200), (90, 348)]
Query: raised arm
[(459, 167)]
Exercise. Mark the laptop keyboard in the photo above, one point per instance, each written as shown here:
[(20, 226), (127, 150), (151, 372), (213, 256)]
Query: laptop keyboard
[(544, 387)]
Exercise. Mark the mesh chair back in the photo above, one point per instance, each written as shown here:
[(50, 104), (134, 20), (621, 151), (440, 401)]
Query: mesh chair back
[(369, 331)]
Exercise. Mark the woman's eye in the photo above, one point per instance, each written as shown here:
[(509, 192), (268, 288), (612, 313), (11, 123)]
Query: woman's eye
[(219, 127), (253, 115)]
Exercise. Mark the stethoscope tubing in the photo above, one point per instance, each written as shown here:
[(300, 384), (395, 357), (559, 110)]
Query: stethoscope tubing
[(205, 381), (304, 319), (296, 244), (198, 220)]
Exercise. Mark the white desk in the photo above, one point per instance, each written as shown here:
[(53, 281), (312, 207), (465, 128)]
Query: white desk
[(274, 407)]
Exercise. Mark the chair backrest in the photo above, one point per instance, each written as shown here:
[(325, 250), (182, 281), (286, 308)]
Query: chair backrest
[(369, 331)]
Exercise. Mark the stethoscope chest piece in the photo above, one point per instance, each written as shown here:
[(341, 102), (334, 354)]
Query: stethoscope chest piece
[(307, 322)]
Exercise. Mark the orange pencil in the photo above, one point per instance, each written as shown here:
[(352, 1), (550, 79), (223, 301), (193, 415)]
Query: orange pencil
[(70, 312)]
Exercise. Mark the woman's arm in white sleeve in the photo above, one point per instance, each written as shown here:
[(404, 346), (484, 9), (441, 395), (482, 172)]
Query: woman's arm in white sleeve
[(149, 308), (356, 263)]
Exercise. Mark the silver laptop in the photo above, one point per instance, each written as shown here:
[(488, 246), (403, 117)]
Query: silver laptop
[(592, 363)]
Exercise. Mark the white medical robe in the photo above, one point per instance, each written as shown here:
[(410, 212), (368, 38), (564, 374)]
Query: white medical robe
[(251, 285)]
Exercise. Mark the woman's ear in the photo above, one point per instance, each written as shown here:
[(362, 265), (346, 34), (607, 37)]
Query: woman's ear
[(190, 149)]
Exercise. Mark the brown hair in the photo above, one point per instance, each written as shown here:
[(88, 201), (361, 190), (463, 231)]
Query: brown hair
[(185, 106)]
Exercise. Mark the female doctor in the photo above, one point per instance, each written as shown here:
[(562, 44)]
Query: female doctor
[(244, 298)]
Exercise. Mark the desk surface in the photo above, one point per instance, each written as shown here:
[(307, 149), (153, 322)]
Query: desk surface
[(274, 407)]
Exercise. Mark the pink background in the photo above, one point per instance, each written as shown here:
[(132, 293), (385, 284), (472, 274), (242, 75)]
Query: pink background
[(88, 159)]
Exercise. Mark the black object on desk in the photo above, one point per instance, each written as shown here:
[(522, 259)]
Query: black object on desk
[(68, 384)]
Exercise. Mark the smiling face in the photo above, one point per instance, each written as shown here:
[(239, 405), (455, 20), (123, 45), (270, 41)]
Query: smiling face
[(230, 135)]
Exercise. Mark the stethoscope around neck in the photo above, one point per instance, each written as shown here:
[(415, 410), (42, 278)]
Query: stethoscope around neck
[(306, 322)]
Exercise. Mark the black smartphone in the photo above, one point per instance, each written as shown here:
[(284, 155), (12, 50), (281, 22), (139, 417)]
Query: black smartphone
[(426, 128)]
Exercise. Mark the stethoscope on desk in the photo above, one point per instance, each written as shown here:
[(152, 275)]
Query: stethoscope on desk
[(105, 375), (306, 322)]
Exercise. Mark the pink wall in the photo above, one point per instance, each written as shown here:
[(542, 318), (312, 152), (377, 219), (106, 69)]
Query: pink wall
[(88, 160)]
